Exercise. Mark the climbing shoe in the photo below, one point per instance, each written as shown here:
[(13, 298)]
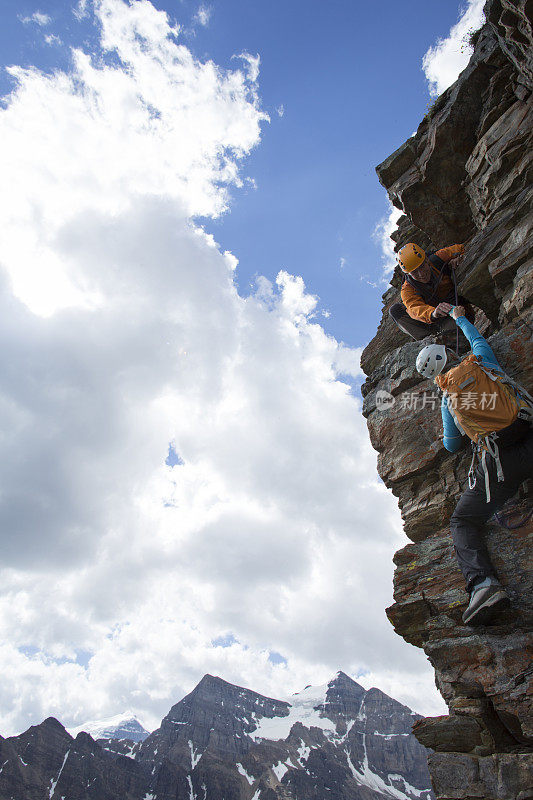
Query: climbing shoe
[(485, 603)]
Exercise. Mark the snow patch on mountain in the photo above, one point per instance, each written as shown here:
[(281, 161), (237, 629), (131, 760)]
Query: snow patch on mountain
[(303, 752), (279, 770), (243, 772), (195, 758), (305, 707), (365, 777)]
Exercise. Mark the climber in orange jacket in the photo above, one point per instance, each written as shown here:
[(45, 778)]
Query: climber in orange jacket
[(428, 291)]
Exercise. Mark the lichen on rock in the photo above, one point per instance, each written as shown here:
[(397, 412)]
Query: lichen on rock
[(466, 175)]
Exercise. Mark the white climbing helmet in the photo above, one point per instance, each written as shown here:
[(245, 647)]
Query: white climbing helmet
[(431, 360)]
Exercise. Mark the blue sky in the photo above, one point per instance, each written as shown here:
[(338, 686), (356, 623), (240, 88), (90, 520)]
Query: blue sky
[(352, 90), (187, 480), (349, 78)]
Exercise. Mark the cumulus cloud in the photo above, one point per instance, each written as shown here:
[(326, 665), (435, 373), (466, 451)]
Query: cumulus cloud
[(53, 40), (382, 233), (123, 331), (80, 11), (203, 15), (38, 18), (443, 62), (253, 63)]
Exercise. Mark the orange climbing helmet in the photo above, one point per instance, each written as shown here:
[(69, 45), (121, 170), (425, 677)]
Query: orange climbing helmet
[(410, 257)]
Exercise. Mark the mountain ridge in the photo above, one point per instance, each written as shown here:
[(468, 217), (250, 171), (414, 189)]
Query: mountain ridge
[(225, 741)]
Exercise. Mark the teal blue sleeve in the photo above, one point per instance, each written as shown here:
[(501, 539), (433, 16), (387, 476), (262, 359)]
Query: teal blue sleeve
[(480, 347), (453, 439)]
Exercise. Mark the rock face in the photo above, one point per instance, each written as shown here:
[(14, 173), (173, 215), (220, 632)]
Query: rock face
[(224, 742), (465, 176)]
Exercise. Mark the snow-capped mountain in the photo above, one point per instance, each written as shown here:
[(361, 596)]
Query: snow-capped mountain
[(337, 741), (224, 742), (121, 726)]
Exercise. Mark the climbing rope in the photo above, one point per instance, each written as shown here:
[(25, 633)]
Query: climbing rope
[(437, 284), (503, 520), (452, 270)]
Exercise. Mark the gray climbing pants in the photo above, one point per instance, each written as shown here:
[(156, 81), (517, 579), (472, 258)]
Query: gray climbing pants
[(419, 330), (472, 510)]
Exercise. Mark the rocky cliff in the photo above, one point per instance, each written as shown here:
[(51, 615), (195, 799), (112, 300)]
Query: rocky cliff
[(223, 742), (466, 176)]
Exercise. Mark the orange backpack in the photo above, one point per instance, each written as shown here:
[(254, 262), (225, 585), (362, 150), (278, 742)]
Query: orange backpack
[(480, 399), (483, 401)]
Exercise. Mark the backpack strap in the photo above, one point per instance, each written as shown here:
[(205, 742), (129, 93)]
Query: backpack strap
[(443, 268), (492, 448), (451, 409), (486, 473), (523, 399)]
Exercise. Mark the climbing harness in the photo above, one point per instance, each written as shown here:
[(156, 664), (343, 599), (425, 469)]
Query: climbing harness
[(514, 403), (480, 450)]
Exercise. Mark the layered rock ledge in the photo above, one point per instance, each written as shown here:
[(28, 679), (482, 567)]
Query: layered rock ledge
[(466, 176)]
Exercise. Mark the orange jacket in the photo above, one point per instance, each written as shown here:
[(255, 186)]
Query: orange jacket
[(412, 298)]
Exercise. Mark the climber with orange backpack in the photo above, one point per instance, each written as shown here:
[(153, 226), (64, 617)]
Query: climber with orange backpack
[(482, 402), (428, 291)]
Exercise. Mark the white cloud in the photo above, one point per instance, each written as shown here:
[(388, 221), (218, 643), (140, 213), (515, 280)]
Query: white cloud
[(280, 110), (53, 39), (381, 236), (81, 10), (38, 18), (443, 62), (122, 331), (366, 279), (203, 15), (253, 63)]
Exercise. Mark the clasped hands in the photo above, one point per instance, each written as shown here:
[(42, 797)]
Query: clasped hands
[(443, 309)]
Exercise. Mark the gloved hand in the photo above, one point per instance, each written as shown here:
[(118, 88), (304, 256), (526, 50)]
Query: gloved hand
[(441, 310)]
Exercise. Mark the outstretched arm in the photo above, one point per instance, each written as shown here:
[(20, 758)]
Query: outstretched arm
[(480, 347), (451, 253)]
